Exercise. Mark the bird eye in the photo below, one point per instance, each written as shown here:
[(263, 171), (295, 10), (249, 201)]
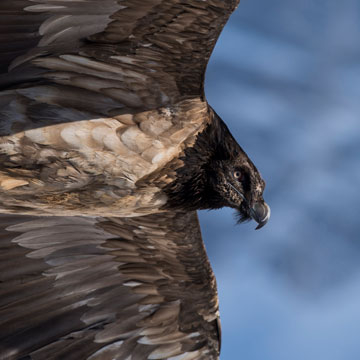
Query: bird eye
[(237, 175)]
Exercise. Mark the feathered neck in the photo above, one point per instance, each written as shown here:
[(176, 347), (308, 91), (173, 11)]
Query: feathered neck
[(192, 188)]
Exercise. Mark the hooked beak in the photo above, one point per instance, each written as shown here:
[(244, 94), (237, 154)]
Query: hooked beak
[(260, 212)]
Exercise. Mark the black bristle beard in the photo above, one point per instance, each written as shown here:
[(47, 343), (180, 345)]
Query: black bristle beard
[(242, 216)]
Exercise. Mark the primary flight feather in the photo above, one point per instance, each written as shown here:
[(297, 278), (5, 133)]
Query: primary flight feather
[(107, 149)]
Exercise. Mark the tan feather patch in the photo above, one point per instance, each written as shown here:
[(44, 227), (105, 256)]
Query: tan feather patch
[(9, 183)]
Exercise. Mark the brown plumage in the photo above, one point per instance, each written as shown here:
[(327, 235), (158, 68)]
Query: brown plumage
[(107, 149)]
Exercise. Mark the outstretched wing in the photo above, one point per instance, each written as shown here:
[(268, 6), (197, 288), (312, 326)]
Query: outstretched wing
[(157, 50), (99, 94), (106, 288)]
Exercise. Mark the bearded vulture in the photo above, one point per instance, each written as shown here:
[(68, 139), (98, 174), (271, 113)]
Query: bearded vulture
[(107, 149)]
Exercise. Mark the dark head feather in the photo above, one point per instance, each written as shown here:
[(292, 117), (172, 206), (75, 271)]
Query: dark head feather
[(207, 178)]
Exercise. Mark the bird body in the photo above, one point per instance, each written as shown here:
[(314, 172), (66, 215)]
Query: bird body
[(87, 167), (107, 149)]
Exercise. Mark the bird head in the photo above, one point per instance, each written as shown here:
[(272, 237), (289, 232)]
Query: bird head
[(216, 172), (239, 185)]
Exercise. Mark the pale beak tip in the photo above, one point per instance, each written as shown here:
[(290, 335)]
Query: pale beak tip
[(260, 212)]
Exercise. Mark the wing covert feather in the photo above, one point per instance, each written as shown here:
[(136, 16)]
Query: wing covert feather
[(106, 288), (146, 53)]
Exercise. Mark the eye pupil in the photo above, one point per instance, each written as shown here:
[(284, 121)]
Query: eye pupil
[(237, 175)]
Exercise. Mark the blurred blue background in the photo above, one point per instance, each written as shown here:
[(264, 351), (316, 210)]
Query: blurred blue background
[(285, 77)]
